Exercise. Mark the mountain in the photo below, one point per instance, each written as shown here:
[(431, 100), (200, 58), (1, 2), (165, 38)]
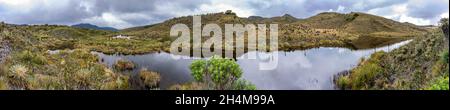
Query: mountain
[(90, 26), (278, 19), (352, 23), (354, 30), (356, 22)]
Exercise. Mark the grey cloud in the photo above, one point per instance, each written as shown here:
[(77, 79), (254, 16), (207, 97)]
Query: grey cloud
[(428, 9), (144, 12), (66, 12), (308, 8)]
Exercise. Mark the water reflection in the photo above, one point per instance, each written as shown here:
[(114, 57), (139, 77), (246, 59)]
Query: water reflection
[(303, 69)]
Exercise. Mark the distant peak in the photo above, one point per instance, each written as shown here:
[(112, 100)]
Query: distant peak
[(255, 16), (91, 26), (287, 15)]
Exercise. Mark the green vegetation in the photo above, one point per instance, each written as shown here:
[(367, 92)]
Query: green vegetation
[(151, 79), (108, 45), (363, 76), (439, 84), (65, 70), (3, 84), (443, 23), (123, 64), (219, 73), (190, 86), (244, 85), (444, 57), (353, 30), (26, 64), (421, 64)]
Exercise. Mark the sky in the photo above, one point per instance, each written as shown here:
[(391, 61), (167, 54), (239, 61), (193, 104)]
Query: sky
[(130, 13)]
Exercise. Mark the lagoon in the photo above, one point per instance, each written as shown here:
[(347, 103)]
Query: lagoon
[(311, 69)]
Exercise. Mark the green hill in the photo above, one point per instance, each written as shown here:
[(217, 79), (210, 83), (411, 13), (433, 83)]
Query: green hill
[(421, 64), (359, 23), (353, 30)]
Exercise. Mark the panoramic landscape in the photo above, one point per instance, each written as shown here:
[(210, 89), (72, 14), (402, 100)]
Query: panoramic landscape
[(327, 50)]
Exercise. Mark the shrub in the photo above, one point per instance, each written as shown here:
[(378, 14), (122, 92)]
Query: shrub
[(443, 23), (221, 73), (351, 17), (18, 71), (439, 84), (29, 57), (151, 79), (343, 82), (243, 85), (363, 76), (444, 57), (124, 65)]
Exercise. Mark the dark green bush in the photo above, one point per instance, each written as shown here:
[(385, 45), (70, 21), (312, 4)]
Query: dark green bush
[(221, 73), (444, 57)]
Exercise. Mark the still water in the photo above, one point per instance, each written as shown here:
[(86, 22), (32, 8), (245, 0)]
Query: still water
[(311, 69)]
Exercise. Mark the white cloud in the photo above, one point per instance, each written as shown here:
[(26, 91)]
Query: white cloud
[(108, 19), (341, 9), (444, 15), (417, 21)]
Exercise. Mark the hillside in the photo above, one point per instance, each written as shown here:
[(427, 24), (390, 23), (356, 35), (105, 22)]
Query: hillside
[(91, 26), (421, 64), (25, 62), (356, 22), (353, 30)]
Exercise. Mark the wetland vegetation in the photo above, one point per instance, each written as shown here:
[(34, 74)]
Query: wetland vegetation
[(25, 62)]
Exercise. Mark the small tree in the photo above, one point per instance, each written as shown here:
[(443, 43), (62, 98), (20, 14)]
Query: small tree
[(444, 26), (220, 73)]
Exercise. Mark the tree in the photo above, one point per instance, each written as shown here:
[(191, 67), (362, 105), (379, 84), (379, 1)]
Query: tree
[(444, 26), (220, 73)]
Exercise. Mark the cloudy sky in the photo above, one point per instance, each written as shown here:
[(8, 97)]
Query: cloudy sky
[(128, 13)]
